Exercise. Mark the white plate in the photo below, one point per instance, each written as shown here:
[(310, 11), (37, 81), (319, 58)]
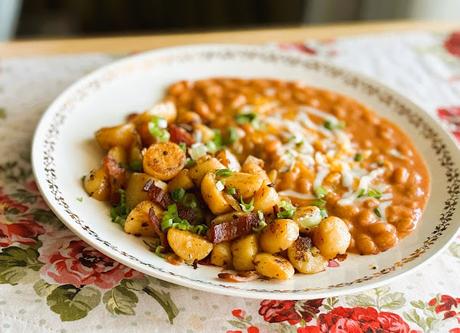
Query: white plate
[(64, 150)]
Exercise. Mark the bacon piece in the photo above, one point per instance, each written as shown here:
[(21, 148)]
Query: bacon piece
[(238, 277), (228, 230), (178, 135), (155, 223), (117, 177), (157, 194)]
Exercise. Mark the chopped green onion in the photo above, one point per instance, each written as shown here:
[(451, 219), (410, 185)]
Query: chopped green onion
[(286, 211), (120, 212), (361, 193), (262, 224), (232, 136), (231, 190), (324, 213), (245, 118), (159, 251), (189, 162), (320, 203), (157, 128), (378, 212), (220, 186), (135, 165), (178, 194), (358, 157), (200, 229), (183, 146), (80, 199), (224, 172), (247, 207), (216, 143), (332, 125), (320, 192), (190, 200), (171, 219), (373, 193)]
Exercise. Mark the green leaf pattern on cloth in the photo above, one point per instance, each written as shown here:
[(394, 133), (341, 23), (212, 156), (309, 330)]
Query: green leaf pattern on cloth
[(73, 303)]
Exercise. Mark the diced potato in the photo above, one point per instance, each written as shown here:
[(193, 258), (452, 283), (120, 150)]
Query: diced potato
[(187, 245), (265, 198), (227, 217), (244, 250), (204, 165), (122, 135), (213, 196), (221, 255), (255, 166), (135, 189), (245, 183), (138, 222), (279, 235), (307, 218), (188, 117), (164, 160), (230, 161), (166, 110), (97, 184), (305, 257), (274, 267), (181, 180), (332, 237), (118, 153), (135, 155)]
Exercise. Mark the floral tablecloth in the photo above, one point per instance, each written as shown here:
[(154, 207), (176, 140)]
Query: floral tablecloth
[(50, 281)]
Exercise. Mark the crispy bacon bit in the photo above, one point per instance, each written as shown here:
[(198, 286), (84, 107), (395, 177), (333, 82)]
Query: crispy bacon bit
[(117, 177), (239, 277), (229, 230), (132, 116), (341, 257), (178, 135), (157, 194), (155, 223), (187, 213)]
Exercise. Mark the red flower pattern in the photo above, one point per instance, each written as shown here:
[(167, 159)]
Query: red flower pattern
[(238, 313), (301, 47), (279, 311), (360, 320), (69, 260), (24, 231), (452, 44), (451, 116)]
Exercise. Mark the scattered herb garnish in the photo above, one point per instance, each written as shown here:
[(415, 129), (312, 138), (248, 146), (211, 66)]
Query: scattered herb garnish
[(80, 199), (247, 207), (224, 172), (135, 165), (200, 229), (232, 136), (332, 125), (378, 212), (189, 162), (178, 194), (216, 143), (358, 157), (159, 251), (373, 193), (321, 204), (286, 210), (171, 219), (320, 192), (231, 190), (183, 146), (361, 193), (157, 127), (120, 212), (246, 117), (189, 200), (262, 224)]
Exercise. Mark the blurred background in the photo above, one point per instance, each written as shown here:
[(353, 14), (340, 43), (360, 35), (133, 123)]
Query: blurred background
[(27, 19)]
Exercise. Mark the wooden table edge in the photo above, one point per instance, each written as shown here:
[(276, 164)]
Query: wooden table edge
[(28, 48)]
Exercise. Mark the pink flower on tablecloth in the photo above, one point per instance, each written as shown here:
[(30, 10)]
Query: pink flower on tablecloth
[(23, 231), (361, 320), (452, 44), (239, 313), (279, 311), (451, 116), (69, 260)]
